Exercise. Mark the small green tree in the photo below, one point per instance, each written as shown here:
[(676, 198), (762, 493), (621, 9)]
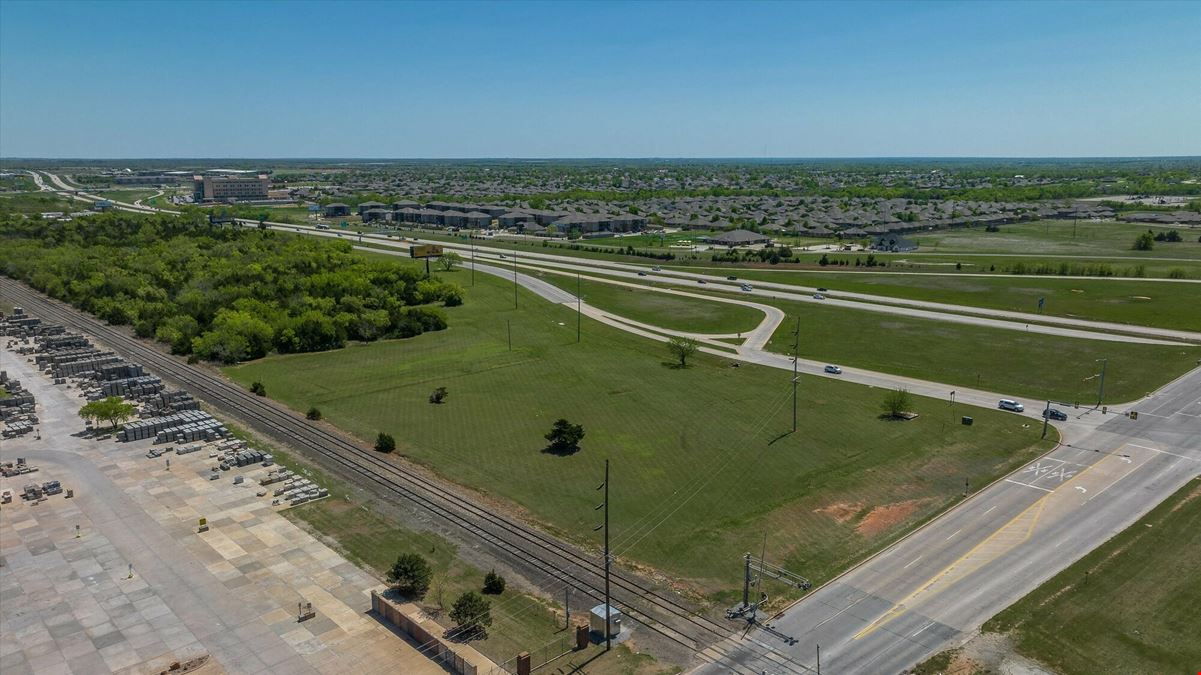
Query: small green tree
[(681, 349), (258, 389), (494, 584), (1145, 242), (313, 414), (896, 403), (449, 260), (411, 575), (385, 443), (472, 613), (439, 395), (113, 410), (564, 437)]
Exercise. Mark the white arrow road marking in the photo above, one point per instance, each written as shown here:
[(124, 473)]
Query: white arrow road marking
[(1081, 489)]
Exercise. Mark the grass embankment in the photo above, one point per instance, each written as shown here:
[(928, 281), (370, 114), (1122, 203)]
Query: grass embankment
[(702, 463), (373, 541), (1159, 304), (1130, 606), (673, 312), (1022, 364), (1060, 237)]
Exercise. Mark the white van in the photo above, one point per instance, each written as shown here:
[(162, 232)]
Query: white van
[(746, 287), (1010, 404)]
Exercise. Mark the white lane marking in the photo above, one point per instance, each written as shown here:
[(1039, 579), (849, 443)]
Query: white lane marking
[(923, 628), (911, 563), (1163, 452), (953, 534), (836, 614), (990, 509), (1007, 480)]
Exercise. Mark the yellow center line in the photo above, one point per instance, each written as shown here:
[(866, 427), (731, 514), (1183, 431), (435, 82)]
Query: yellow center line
[(1003, 539)]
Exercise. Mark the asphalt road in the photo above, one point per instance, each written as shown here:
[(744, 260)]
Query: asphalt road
[(935, 588)]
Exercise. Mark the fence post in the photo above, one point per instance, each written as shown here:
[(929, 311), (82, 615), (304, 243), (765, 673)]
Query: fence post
[(523, 663), (581, 637)]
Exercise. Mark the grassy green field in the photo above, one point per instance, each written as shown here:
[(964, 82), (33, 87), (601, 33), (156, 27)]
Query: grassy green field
[(1130, 606), (673, 312), (1059, 237), (1021, 364), (1144, 303), (702, 463), (38, 202)]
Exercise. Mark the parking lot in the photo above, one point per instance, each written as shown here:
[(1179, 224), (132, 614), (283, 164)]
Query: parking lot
[(117, 577)]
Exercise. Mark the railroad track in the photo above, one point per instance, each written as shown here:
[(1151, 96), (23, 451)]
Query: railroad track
[(549, 556)]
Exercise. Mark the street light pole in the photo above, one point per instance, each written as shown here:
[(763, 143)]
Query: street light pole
[(514, 280), (1046, 416), (1101, 390), (472, 262), (578, 307), (796, 355)]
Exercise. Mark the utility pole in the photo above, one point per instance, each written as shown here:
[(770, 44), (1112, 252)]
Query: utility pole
[(819, 660), (509, 330), (608, 558), (578, 307), (796, 355), (473, 262), (514, 280), (1101, 391), (567, 606)]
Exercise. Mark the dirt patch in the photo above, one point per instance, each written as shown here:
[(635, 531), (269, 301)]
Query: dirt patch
[(883, 517), (841, 512)]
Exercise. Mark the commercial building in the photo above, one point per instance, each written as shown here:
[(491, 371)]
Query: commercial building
[(230, 188)]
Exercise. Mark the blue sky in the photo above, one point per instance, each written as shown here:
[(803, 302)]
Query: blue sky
[(576, 79)]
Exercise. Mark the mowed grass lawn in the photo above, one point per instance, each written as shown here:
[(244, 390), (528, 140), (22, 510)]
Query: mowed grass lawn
[(1005, 361), (1137, 611), (673, 312), (1061, 237), (702, 463), (1163, 304)]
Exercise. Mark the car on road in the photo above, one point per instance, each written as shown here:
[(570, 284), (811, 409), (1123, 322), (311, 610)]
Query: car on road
[(818, 296), (502, 256), (822, 290), (656, 268), (732, 278), (1055, 414), (833, 370), (1010, 404), (642, 274), (701, 281), (746, 287)]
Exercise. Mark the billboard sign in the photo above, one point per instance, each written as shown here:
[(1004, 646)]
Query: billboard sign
[(425, 251)]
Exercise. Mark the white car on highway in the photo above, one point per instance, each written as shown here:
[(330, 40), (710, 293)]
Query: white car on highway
[(833, 370)]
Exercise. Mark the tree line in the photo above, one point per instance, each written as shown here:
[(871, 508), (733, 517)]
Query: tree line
[(221, 294)]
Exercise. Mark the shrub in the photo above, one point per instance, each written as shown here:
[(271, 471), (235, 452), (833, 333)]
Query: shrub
[(258, 389), (313, 414), (385, 443), (494, 584)]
